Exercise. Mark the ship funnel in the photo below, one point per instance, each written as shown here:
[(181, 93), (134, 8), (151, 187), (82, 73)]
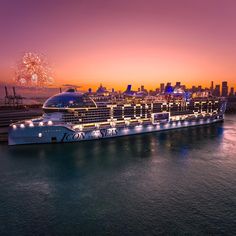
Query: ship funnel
[(128, 88)]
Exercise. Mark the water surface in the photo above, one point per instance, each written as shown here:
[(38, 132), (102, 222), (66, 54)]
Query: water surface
[(171, 183)]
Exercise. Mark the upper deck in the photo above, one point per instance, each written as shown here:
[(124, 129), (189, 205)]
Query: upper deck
[(79, 108), (72, 100)]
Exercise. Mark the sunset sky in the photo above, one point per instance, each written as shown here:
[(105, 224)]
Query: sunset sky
[(117, 42)]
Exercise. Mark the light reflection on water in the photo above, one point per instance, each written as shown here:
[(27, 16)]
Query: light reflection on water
[(174, 182)]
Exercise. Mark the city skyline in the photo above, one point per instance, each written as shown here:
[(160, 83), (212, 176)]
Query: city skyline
[(223, 89), (119, 42)]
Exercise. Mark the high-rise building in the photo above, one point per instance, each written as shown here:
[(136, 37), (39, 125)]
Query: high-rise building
[(194, 89), (231, 93), (177, 84), (162, 87), (224, 91), (217, 90), (199, 88), (212, 86)]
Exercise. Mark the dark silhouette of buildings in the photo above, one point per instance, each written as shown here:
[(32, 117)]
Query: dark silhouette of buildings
[(231, 93), (224, 92), (162, 88), (217, 90), (212, 86), (178, 85)]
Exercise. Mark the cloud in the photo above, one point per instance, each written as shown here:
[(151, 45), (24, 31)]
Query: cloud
[(71, 85)]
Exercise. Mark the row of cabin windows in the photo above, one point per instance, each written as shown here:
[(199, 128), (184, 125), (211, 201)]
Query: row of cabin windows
[(121, 116), (154, 105), (95, 115), (139, 112)]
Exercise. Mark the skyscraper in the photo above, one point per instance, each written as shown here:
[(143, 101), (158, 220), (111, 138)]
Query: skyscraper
[(162, 87), (217, 90), (224, 91), (231, 93), (178, 84), (212, 86), (194, 89)]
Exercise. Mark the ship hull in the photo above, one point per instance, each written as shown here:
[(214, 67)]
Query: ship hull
[(63, 134)]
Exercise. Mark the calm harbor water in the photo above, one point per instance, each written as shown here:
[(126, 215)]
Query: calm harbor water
[(171, 183)]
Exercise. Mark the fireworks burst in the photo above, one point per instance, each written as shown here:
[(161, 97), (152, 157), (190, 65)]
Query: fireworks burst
[(33, 70)]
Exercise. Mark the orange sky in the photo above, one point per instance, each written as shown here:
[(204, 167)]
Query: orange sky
[(123, 42)]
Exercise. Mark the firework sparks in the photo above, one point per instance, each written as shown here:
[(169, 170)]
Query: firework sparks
[(33, 70)]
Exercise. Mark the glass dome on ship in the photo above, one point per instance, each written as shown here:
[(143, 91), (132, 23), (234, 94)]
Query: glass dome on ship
[(69, 99)]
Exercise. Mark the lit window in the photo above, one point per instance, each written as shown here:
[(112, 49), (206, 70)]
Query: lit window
[(40, 135)]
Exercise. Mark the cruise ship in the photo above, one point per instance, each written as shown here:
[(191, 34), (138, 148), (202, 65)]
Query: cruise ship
[(73, 116)]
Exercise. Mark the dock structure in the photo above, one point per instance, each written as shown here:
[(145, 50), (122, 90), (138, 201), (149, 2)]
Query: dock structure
[(9, 99), (13, 100), (18, 99)]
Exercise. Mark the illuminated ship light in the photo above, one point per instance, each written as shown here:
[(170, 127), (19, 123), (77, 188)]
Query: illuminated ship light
[(126, 130)]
